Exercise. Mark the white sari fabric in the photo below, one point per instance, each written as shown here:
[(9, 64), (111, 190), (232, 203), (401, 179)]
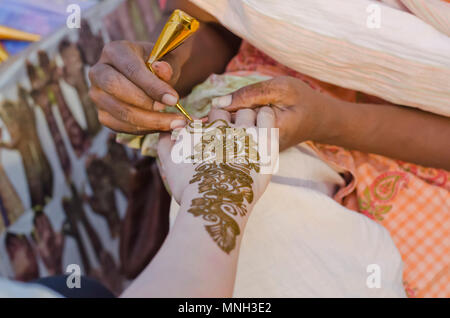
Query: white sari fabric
[(299, 242), (363, 45)]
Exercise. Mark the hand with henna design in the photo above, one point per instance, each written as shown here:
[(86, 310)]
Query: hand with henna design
[(180, 175), (217, 192), (224, 173)]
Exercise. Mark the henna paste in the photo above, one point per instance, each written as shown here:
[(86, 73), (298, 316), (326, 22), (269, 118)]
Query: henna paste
[(224, 180)]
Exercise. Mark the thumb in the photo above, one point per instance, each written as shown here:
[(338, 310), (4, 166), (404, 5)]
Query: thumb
[(163, 70), (251, 96), (169, 68), (164, 148)]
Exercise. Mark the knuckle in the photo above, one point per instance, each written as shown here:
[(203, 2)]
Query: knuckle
[(93, 73), (107, 82), (157, 89), (285, 82), (102, 119), (93, 95), (131, 69), (109, 49), (123, 114)]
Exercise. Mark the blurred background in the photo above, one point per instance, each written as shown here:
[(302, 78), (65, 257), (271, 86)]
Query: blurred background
[(69, 194)]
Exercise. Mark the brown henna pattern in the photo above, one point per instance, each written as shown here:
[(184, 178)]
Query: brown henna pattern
[(224, 180)]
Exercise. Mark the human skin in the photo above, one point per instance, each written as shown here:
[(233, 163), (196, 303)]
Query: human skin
[(394, 131), (129, 97), (303, 114), (192, 262)]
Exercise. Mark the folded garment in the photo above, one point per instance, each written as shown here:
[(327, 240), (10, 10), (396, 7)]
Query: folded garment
[(332, 41), (411, 201), (307, 245), (434, 12)]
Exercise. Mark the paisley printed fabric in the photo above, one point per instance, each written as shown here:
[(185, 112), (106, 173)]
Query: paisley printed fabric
[(411, 201)]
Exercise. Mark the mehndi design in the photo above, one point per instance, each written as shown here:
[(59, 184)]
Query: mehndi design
[(224, 181)]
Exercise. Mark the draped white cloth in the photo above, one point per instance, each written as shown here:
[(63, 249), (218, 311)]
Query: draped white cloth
[(405, 60), (299, 242)]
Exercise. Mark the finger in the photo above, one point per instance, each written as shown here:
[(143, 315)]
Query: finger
[(265, 118), (245, 118), (131, 63), (217, 114), (106, 78), (157, 106), (251, 96), (163, 70), (135, 116), (164, 148), (119, 126)]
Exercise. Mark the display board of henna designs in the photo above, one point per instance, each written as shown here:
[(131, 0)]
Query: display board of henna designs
[(224, 180)]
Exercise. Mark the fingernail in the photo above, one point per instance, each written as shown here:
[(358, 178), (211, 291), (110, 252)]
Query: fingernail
[(177, 123), (169, 99), (222, 101), (157, 106)]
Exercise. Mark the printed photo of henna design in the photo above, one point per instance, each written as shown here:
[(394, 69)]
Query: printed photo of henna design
[(76, 134), (151, 13), (11, 207), (19, 119), (41, 98), (22, 257), (108, 273), (120, 164), (74, 75), (146, 221), (90, 44), (103, 201), (49, 244), (137, 19), (225, 185)]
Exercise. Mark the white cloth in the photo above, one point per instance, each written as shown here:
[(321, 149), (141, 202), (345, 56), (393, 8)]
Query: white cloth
[(15, 289), (405, 60), (300, 243)]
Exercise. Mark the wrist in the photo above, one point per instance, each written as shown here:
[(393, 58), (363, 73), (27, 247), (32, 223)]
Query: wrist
[(189, 193), (243, 209), (327, 118)]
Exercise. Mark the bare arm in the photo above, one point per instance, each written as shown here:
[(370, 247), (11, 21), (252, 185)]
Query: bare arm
[(397, 132), (303, 114), (130, 98), (199, 256)]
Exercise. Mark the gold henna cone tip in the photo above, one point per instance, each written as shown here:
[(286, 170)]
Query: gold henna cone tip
[(184, 112), (178, 28)]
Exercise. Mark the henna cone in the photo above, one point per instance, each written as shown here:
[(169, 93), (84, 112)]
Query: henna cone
[(14, 34)]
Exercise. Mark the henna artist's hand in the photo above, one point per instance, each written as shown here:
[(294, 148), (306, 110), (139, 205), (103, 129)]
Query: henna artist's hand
[(224, 181), (128, 95), (180, 175), (297, 107)]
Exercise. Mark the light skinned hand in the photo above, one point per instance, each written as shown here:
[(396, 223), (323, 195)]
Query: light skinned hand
[(178, 175)]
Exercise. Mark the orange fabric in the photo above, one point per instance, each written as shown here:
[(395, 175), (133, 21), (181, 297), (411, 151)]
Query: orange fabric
[(410, 201)]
